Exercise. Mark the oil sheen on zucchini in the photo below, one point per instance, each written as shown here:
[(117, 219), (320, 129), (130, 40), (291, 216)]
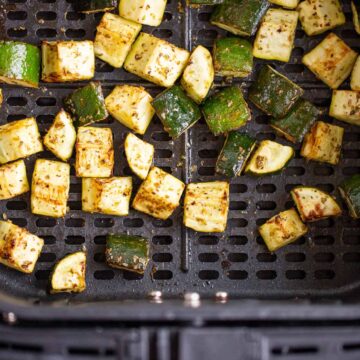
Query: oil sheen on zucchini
[(350, 191)]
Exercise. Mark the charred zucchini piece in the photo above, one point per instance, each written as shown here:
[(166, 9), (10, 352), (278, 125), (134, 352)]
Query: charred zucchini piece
[(273, 93), (13, 180), (176, 111), (127, 252), (282, 229), (19, 64), (19, 249), (314, 204), (276, 35), (288, 4), (234, 154), (345, 106), (240, 17), (226, 110), (356, 11), (355, 76), (298, 121), (94, 6), (331, 61), (350, 191), (69, 274), (233, 57), (323, 143), (270, 157)]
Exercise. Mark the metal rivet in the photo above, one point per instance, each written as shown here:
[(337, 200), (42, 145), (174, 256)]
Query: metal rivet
[(155, 296), (10, 318), (192, 299), (221, 296)]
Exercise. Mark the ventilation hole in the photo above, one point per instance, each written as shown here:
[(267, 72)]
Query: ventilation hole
[(46, 222), (352, 257), (295, 274), (97, 16), (73, 222), (208, 274), (351, 170), (75, 188), (353, 136), (237, 274), (351, 347), (324, 274), (100, 240), (323, 171), (238, 205), (160, 136), (237, 257), (266, 257), (46, 101), (162, 223), (43, 274), (237, 240), (46, 33), (295, 257), (79, 351), (14, 117), (75, 33), (26, 348), (75, 205), (99, 257), (163, 275), (323, 240), (208, 34), (204, 16), (351, 154), (162, 257), (47, 257), (262, 119), (46, 15), (294, 68), (19, 221), (162, 240), (240, 223), (266, 205), (102, 67), (129, 275), (326, 223), (208, 257), (206, 171), (46, 1), (162, 33), (289, 187), (265, 188), (265, 136), (17, 32), (326, 187), (208, 154), (294, 171), (75, 16), (167, 16), (16, 205), (208, 240), (163, 154), (238, 188), (261, 221), (104, 222), (350, 239), (294, 350), (266, 274), (45, 119), (324, 257), (16, 101), (74, 240), (48, 239), (104, 275), (17, 15), (133, 223), (350, 222)]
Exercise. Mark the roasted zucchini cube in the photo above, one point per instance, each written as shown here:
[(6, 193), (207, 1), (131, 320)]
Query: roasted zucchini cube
[(147, 12), (206, 206), (282, 229), (276, 35), (355, 76), (139, 155), (159, 194), (298, 121), (107, 195), (131, 106), (176, 111), (127, 252), (94, 152), (233, 57), (50, 188), (240, 17), (318, 16), (156, 60), (198, 75), (331, 61), (226, 110), (61, 137), (19, 249), (87, 104), (94, 6), (356, 11), (273, 93), (345, 106), (114, 38), (288, 4), (350, 191), (13, 180), (19, 139), (323, 143), (64, 61), (234, 154)]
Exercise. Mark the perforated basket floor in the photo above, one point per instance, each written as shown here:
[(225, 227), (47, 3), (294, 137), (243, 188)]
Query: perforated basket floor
[(324, 263)]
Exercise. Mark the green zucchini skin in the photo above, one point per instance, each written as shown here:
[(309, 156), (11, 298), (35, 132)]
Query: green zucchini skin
[(297, 123), (87, 104), (273, 93), (93, 6), (350, 191), (176, 111), (19, 63), (234, 154), (127, 252), (240, 17), (226, 110), (233, 57)]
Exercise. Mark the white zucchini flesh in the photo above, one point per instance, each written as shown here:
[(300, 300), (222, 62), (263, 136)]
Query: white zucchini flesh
[(13, 180), (206, 206), (288, 4), (345, 106), (356, 19), (355, 76)]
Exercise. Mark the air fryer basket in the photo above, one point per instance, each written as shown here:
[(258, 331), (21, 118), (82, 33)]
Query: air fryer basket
[(324, 264)]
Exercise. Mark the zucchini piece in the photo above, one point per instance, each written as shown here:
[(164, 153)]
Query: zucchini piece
[(156, 60), (64, 61), (69, 274), (87, 104), (288, 4), (234, 154), (276, 35), (297, 123), (314, 204), (331, 61), (13, 180), (159, 194), (233, 57), (226, 110), (273, 93), (139, 155), (356, 20), (282, 229), (131, 106), (345, 106), (198, 75), (350, 191), (127, 252), (19, 64), (19, 249), (323, 143), (94, 6), (146, 12), (240, 17), (94, 152), (270, 157), (50, 188), (318, 16), (61, 137), (355, 76), (19, 139), (176, 111), (114, 38), (206, 206)]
